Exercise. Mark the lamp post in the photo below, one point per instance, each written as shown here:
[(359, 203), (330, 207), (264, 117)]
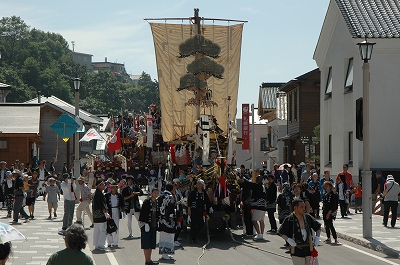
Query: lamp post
[(365, 52), (77, 163)]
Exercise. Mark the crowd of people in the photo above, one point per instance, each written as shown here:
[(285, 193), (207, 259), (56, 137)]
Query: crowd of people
[(297, 193), (288, 188)]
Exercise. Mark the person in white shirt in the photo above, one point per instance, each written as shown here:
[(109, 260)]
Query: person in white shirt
[(115, 204), (390, 200), (68, 188), (85, 200)]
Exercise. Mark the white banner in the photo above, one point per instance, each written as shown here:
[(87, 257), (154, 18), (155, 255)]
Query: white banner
[(91, 134)]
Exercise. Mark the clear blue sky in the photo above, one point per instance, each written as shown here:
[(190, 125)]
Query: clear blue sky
[(278, 41)]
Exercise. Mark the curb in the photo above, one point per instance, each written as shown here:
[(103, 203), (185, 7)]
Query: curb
[(368, 244)]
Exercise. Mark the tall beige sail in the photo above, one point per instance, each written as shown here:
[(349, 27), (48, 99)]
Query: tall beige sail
[(178, 118)]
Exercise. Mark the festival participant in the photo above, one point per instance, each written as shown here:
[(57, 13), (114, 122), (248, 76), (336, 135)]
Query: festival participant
[(43, 173), (115, 205), (300, 194), (75, 240), (167, 223), (284, 201), (296, 230), (148, 221), (85, 200), (198, 205), (179, 210), (271, 202), (245, 202), (160, 172), (330, 205), (258, 204), (131, 195), (99, 209)]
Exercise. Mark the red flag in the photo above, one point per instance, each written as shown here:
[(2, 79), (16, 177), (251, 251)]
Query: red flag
[(115, 142)]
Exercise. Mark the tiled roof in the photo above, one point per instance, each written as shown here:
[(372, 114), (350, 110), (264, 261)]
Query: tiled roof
[(70, 109), (19, 118), (371, 18)]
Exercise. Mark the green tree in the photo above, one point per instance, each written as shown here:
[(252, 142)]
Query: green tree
[(13, 32)]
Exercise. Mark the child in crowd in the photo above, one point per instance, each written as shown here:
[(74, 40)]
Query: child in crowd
[(52, 191), (358, 197), (26, 185)]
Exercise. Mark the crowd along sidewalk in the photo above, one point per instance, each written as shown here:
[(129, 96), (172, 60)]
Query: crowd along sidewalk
[(42, 236), (384, 239)]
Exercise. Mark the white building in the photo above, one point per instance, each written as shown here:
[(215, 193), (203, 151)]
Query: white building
[(243, 157), (270, 125), (347, 23)]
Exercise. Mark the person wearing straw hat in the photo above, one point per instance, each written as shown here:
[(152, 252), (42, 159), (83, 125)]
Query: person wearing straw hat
[(85, 200), (115, 205)]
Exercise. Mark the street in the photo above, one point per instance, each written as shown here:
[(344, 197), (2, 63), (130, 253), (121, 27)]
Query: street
[(43, 240)]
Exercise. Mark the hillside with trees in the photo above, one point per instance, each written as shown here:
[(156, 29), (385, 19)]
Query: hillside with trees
[(33, 60)]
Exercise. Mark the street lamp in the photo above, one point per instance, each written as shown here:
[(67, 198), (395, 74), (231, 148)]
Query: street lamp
[(365, 52), (77, 163)]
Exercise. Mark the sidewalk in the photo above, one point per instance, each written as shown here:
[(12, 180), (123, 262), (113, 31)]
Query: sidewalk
[(384, 239), (42, 238)]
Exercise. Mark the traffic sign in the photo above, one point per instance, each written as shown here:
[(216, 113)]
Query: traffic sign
[(65, 126)]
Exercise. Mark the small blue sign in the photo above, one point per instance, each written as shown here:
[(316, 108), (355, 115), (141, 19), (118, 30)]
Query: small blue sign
[(65, 126)]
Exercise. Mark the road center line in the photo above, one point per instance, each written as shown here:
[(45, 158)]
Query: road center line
[(112, 259), (371, 255)]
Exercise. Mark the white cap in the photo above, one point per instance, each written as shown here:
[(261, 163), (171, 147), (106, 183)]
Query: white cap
[(389, 178)]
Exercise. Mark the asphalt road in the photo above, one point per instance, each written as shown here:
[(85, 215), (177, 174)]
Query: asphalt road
[(222, 250)]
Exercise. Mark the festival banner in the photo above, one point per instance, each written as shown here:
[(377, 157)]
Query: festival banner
[(245, 127), (115, 142), (150, 135)]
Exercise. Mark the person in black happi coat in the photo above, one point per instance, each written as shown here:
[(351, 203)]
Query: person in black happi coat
[(198, 207)]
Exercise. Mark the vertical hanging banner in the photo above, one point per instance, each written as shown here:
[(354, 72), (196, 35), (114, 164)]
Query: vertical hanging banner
[(245, 127), (149, 131)]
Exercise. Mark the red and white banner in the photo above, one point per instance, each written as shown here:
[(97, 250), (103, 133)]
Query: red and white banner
[(115, 142), (91, 134), (245, 126), (150, 135)]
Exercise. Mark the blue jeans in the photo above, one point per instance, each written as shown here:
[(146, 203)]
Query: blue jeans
[(69, 208)]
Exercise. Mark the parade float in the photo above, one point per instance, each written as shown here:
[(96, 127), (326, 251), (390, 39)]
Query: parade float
[(198, 63)]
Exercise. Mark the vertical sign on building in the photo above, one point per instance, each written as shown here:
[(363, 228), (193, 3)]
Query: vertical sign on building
[(245, 127)]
